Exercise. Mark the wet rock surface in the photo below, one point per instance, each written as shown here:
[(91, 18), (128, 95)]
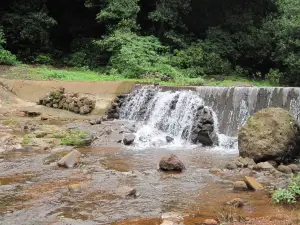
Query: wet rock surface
[(203, 128), (70, 160), (34, 190), (114, 111), (171, 163)]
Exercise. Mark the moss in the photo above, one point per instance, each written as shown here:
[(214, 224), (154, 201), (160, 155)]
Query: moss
[(10, 122), (76, 138)]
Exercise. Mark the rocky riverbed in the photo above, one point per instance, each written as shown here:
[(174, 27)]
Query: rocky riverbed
[(111, 183)]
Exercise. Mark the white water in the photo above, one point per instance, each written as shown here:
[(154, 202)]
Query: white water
[(167, 113), (149, 108)]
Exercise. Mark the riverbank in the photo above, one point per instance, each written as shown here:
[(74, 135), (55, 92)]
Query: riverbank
[(31, 72)]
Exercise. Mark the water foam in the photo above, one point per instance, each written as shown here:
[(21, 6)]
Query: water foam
[(165, 113)]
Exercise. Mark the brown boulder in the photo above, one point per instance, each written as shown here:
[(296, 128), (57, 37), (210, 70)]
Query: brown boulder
[(171, 163), (270, 134)]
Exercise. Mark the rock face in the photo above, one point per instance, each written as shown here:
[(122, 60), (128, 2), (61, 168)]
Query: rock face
[(70, 160), (114, 111), (68, 101), (270, 134), (203, 128), (171, 163)]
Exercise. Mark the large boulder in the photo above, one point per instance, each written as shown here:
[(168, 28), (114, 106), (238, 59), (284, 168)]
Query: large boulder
[(270, 134), (203, 130)]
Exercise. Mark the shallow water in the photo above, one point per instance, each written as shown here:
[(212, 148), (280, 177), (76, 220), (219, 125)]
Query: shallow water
[(44, 196)]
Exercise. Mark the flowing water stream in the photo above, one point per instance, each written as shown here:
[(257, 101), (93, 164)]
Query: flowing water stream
[(163, 111)]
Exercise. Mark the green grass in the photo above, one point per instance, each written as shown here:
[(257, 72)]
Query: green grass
[(27, 72)]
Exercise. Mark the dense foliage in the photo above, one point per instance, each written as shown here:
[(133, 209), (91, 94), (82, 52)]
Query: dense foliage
[(256, 39), (5, 56)]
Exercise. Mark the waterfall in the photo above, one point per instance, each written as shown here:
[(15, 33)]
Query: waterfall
[(170, 111)]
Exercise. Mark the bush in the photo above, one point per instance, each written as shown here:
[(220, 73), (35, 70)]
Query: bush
[(274, 76), (43, 59), (87, 53), (290, 194), (6, 57), (197, 60), (133, 55), (214, 64)]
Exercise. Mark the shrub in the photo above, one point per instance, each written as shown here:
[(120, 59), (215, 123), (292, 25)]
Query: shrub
[(43, 59), (214, 64), (87, 53), (198, 60), (134, 55), (6, 57), (290, 194), (274, 76)]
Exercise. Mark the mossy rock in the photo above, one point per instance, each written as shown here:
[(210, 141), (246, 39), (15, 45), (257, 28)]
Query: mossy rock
[(77, 138), (270, 134)]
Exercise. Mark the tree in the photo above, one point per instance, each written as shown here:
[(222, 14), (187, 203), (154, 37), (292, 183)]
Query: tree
[(27, 25)]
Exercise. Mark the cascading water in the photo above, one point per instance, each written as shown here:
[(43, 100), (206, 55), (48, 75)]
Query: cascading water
[(162, 114), (170, 111)]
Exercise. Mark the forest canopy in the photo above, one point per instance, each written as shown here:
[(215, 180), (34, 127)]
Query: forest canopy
[(257, 39)]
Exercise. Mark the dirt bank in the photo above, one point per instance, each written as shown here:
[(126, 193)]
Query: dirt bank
[(102, 92)]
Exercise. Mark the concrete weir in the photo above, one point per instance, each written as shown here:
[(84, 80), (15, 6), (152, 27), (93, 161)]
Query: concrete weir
[(233, 105)]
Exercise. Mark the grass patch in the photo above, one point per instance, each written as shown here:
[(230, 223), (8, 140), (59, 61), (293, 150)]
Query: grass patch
[(76, 138), (27, 72), (288, 195)]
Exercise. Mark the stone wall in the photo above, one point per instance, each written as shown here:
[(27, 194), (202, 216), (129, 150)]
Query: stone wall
[(69, 101), (114, 111)]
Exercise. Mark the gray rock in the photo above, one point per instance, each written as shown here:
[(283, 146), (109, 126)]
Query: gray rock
[(70, 160), (171, 163), (125, 191), (295, 168), (240, 186), (128, 139), (96, 121), (169, 139), (245, 162), (263, 166), (231, 166), (284, 169), (203, 128), (84, 110)]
